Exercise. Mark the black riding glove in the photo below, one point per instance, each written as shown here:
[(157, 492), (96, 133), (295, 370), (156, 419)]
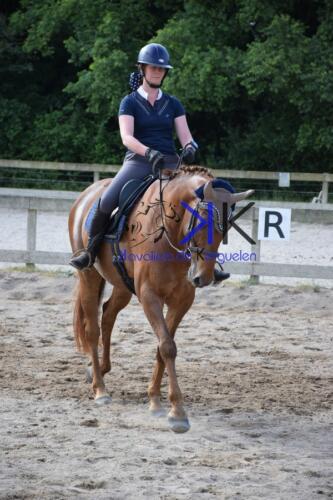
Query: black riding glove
[(188, 155), (156, 159)]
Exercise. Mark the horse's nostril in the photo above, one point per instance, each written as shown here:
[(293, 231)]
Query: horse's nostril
[(196, 281)]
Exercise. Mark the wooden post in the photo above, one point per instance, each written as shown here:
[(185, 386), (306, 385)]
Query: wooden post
[(324, 189), (96, 176), (31, 234), (255, 248)]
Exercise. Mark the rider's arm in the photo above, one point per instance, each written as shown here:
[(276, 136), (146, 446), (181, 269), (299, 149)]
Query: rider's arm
[(126, 126), (182, 130)]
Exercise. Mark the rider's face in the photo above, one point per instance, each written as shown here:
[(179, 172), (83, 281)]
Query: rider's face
[(154, 74)]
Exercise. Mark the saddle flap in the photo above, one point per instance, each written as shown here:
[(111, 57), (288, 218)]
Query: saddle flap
[(127, 190), (129, 195)]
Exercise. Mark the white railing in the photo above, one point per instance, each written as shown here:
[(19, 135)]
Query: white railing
[(96, 169), (34, 201)]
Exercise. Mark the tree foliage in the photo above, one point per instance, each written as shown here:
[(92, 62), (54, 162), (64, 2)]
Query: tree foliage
[(255, 76)]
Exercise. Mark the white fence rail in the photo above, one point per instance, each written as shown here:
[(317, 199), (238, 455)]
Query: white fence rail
[(96, 169), (34, 201)]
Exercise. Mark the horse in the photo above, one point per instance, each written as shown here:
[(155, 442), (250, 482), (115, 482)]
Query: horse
[(158, 224)]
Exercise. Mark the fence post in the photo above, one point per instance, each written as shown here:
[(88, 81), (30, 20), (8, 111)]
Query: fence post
[(96, 176), (324, 189), (256, 247), (31, 234)]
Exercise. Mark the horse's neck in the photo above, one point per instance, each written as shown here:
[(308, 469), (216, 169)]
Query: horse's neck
[(185, 186), (183, 190)]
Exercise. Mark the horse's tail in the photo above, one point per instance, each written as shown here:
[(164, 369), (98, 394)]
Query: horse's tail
[(79, 318)]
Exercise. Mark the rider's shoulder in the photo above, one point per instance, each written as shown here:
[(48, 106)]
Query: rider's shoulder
[(173, 98), (129, 97), (176, 105), (127, 105)]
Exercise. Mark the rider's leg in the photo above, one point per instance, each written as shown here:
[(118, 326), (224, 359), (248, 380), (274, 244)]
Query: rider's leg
[(99, 224), (133, 168), (137, 167)]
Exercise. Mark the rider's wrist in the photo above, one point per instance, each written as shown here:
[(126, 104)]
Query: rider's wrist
[(194, 145)]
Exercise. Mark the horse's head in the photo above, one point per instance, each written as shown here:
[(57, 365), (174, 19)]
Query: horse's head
[(215, 205)]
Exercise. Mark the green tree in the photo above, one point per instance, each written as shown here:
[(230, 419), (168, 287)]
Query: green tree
[(256, 98), (79, 56), (257, 95)]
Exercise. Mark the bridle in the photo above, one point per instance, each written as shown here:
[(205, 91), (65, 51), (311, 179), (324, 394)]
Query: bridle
[(191, 248)]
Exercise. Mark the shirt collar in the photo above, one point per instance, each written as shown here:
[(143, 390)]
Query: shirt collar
[(144, 94)]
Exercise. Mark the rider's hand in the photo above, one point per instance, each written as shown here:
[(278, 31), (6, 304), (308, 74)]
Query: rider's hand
[(156, 159), (188, 155)]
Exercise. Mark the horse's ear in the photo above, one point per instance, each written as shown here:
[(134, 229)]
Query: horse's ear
[(241, 196), (208, 191)]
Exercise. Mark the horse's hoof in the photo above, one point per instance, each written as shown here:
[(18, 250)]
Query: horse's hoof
[(158, 412), (103, 400), (89, 375), (179, 425)]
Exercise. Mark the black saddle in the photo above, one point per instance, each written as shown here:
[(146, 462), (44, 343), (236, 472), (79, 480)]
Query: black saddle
[(129, 195)]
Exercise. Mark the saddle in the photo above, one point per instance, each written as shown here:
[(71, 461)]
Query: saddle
[(129, 195)]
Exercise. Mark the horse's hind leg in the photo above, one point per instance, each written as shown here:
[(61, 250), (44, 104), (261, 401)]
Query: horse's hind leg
[(178, 305), (87, 329), (119, 299)]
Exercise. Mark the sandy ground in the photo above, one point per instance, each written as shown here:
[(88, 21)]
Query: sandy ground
[(255, 366)]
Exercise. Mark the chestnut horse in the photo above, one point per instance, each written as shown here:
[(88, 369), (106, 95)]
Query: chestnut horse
[(157, 227)]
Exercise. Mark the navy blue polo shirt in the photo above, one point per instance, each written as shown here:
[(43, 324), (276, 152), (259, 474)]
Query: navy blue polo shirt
[(153, 125)]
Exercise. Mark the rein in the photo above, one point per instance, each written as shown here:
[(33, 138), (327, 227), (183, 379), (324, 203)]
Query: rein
[(190, 249)]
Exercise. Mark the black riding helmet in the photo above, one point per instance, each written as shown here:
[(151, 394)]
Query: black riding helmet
[(154, 54)]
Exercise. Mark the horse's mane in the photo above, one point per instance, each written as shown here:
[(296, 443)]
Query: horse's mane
[(191, 170)]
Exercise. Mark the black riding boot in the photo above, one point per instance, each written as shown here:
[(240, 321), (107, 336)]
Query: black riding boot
[(220, 275), (99, 225)]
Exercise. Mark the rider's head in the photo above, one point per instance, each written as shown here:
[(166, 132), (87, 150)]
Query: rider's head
[(154, 64)]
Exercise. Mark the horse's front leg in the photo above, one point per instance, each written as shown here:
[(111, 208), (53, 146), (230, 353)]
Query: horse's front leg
[(154, 388), (153, 307), (178, 305)]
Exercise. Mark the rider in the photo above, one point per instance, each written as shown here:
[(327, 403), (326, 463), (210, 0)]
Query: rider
[(147, 118)]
